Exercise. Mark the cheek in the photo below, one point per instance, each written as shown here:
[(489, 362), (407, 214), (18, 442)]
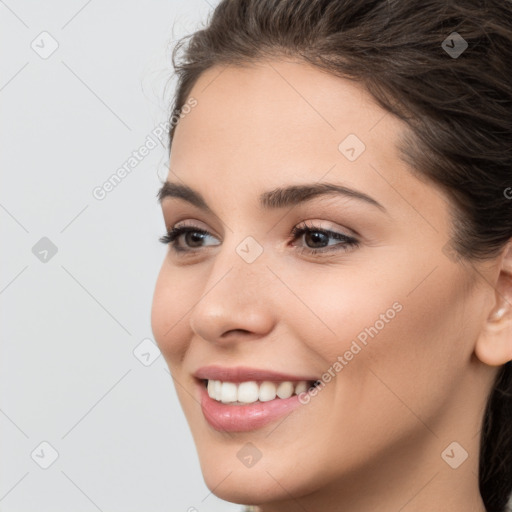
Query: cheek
[(173, 298), (417, 360), (394, 338), (338, 307), (385, 306)]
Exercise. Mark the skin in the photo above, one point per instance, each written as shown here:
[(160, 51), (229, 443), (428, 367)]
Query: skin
[(372, 438)]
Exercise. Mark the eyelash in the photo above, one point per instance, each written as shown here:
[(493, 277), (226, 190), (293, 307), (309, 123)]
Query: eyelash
[(172, 236)]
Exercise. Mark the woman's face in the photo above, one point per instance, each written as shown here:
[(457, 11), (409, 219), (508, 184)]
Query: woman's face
[(386, 313)]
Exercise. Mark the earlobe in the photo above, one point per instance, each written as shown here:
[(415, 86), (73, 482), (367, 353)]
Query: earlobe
[(497, 314), (494, 345)]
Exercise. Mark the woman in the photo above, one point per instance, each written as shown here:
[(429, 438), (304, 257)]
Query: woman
[(335, 306)]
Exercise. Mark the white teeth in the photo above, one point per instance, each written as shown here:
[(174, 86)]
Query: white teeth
[(285, 390), (211, 388), (229, 392), (267, 391), (217, 388), (250, 391), (301, 387)]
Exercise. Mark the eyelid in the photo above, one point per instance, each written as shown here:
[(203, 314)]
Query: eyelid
[(307, 225), (331, 226), (192, 223), (345, 242)]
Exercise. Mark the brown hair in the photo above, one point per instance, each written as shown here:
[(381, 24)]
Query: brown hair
[(456, 101)]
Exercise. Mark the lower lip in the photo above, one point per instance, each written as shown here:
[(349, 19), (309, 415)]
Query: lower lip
[(243, 418)]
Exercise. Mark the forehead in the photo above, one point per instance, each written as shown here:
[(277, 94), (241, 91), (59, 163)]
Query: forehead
[(280, 102), (273, 122), (282, 110)]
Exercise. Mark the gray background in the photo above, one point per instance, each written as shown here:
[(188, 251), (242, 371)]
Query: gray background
[(70, 321)]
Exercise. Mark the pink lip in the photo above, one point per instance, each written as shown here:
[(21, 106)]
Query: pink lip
[(243, 373), (243, 418)]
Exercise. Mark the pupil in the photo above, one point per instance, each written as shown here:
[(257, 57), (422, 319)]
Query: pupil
[(316, 234), (198, 237)]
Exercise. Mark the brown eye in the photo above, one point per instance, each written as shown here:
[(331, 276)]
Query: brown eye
[(317, 240), (193, 237)]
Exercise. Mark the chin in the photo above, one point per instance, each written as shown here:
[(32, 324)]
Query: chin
[(269, 480), (244, 486)]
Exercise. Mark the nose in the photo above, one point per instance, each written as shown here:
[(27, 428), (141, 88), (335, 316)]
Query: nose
[(237, 301)]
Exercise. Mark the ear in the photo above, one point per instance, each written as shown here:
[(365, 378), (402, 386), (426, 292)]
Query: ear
[(494, 345)]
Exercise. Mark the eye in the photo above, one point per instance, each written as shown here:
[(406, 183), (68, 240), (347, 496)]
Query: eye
[(318, 237), (194, 236)]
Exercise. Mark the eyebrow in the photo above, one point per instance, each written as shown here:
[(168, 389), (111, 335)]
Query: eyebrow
[(272, 199)]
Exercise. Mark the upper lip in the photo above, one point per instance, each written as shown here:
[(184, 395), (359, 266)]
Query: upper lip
[(244, 373)]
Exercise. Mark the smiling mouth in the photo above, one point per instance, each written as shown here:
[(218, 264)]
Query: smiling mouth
[(249, 392)]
